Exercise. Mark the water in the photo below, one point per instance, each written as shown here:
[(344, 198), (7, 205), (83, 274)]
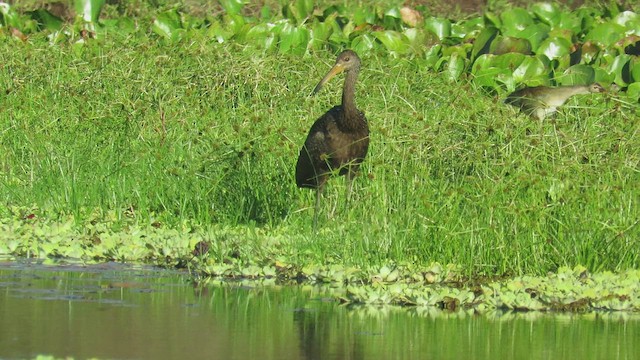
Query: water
[(122, 312)]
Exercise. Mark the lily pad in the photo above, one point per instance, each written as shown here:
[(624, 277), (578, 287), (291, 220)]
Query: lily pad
[(554, 48), (439, 26), (606, 34), (577, 75)]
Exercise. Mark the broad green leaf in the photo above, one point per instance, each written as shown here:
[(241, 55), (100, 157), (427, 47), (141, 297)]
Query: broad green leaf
[(298, 10), (602, 76), (364, 15), (261, 35), (467, 28), (508, 61), (577, 75), (633, 91), (433, 55), (569, 21), (508, 44), (589, 52), (455, 66), (392, 19), (606, 34), (363, 43), (89, 10), (482, 43), (392, 40), (532, 69), (493, 79), (554, 48), (535, 33), (634, 68), (320, 33), (492, 20), (215, 31), (620, 69), (166, 24), (293, 39), (628, 20), (439, 26), (549, 13), (46, 20), (515, 20)]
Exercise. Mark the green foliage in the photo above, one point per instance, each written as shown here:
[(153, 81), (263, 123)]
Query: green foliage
[(189, 120)]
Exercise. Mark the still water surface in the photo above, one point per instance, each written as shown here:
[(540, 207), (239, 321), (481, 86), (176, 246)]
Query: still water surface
[(122, 312)]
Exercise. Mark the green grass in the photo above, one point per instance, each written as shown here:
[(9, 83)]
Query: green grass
[(208, 134)]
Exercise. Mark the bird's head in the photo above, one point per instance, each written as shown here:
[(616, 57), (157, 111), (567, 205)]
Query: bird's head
[(596, 88), (347, 60)]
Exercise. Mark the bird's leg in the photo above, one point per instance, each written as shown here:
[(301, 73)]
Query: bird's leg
[(349, 179), (317, 207)]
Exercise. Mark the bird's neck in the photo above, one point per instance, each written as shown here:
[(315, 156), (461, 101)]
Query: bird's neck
[(566, 92), (348, 93)]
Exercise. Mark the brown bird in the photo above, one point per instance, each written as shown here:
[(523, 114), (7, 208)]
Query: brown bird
[(540, 101), (338, 141)]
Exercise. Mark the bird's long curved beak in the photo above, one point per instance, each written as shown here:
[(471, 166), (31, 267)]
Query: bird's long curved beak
[(335, 70)]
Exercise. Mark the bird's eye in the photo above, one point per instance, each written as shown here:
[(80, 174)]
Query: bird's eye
[(346, 59)]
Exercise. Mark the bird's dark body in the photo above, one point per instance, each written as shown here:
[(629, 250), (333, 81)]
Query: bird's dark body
[(338, 141), (335, 142)]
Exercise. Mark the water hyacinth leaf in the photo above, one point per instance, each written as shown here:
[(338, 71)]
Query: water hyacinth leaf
[(554, 48), (515, 20), (298, 10), (633, 91), (577, 75), (232, 7), (535, 34), (508, 61), (532, 69), (392, 19), (46, 20), (482, 44), (433, 55), (364, 15), (549, 13), (602, 76), (363, 43), (293, 39), (508, 44), (492, 20), (166, 24), (261, 35), (488, 79), (620, 69), (438, 26), (589, 52), (217, 31), (319, 34), (467, 28), (455, 66), (606, 34), (629, 20), (392, 40), (569, 21), (634, 67), (89, 10)]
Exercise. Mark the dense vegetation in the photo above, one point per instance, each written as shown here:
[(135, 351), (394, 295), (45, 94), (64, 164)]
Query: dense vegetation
[(138, 135)]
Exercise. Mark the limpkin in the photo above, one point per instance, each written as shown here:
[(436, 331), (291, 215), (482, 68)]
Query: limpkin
[(540, 101), (338, 141)]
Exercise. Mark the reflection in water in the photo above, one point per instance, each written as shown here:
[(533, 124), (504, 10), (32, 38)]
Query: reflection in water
[(123, 312)]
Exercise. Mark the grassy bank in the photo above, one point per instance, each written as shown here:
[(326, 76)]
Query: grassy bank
[(142, 147)]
